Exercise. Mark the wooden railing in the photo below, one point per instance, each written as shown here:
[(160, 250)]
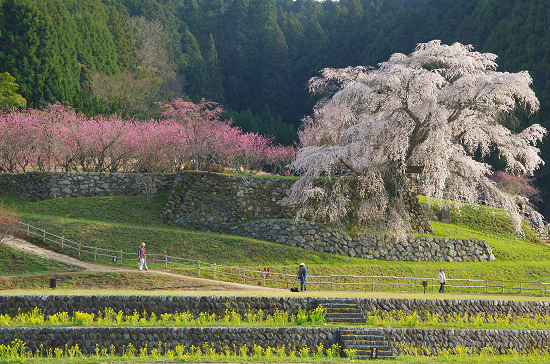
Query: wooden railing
[(284, 280)]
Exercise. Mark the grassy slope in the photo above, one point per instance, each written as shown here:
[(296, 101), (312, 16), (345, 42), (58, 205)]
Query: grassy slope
[(121, 223), (13, 262)]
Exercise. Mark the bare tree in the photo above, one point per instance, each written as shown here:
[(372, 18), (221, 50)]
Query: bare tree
[(154, 80)]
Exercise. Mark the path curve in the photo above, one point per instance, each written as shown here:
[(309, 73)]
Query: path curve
[(28, 247)]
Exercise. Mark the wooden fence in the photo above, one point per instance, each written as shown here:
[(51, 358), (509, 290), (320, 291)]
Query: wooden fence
[(266, 277)]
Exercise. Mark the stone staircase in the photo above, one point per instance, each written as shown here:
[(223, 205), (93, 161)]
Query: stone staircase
[(365, 341), (347, 312), (342, 312)]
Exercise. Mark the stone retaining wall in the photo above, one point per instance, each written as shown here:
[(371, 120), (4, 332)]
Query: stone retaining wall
[(446, 306), (37, 186), (217, 337), (86, 338), (523, 341), (49, 305), (293, 338), (312, 236), (214, 202)]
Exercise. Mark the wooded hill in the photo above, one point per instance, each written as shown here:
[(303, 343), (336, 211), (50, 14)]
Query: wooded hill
[(252, 56)]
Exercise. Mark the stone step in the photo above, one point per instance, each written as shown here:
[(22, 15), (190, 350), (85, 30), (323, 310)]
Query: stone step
[(357, 334), (366, 340), (343, 320), (339, 305), (381, 355), (365, 350), (383, 352), (363, 340), (346, 317), (342, 310), (346, 314)]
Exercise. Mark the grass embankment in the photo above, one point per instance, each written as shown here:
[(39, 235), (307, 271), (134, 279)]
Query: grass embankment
[(13, 263), (123, 222)]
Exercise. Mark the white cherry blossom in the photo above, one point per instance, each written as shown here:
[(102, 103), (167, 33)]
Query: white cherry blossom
[(433, 112)]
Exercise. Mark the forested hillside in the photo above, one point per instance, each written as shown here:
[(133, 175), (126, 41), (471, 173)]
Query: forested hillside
[(252, 56)]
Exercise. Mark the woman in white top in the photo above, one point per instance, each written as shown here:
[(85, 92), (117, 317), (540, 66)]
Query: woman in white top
[(441, 279)]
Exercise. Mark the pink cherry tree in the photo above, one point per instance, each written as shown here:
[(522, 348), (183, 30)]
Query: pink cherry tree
[(201, 124), (279, 157), (17, 136)]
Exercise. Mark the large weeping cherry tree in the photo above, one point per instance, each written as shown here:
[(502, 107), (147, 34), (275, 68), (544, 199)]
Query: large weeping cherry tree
[(427, 118)]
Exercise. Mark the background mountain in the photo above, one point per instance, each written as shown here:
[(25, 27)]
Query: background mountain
[(252, 56)]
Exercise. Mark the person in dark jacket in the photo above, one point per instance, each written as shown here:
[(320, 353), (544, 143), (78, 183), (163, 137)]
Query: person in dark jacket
[(302, 277)]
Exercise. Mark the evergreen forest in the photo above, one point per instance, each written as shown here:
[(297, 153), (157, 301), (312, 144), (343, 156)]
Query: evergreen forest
[(254, 57)]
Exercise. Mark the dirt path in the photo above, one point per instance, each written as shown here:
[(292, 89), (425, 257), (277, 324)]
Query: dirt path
[(27, 247)]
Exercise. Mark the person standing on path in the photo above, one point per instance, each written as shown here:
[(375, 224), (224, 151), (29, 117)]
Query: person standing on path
[(142, 257), (302, 277), (441, 278)]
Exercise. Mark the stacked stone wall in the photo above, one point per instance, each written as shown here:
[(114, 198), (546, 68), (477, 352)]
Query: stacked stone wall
[(312, 236), (292, 338), (503, 340), (49, 305), (215, 202), (44, 339), (37, 186)]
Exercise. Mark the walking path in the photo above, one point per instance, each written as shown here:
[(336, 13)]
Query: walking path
[(27, 247)]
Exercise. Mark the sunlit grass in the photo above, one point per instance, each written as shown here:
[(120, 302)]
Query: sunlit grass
[(123, 222)]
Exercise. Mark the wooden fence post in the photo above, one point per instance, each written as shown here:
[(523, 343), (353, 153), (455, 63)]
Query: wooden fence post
[(44, 231), (95, 255), (165, 261), (520, 286), (199, 268), (79, 250), (215, 270), (62, 242), (121, 257)]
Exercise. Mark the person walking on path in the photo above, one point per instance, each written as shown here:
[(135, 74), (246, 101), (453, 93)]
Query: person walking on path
[(441, 278), (302, 277), (142, 257)]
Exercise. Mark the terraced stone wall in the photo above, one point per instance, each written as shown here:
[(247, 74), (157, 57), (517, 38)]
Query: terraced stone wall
[(446, 306), (293, 338), (140, 337), (37, 186), (523, 341), (296, 337), (49, 305), (312, 236), (214, 202)]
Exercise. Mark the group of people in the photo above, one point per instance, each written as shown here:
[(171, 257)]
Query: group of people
[(302, 271)]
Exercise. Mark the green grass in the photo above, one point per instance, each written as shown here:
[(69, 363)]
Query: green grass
[(13, 262), (123, 222)]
